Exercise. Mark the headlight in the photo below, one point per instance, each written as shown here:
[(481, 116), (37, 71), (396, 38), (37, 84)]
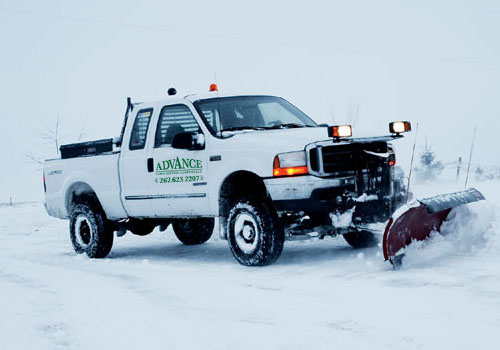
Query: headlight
[(290, 164)]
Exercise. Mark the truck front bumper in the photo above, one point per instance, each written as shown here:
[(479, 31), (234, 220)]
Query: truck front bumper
[(308, 193)]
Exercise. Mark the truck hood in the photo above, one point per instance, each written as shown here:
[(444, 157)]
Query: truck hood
[(279, 140)]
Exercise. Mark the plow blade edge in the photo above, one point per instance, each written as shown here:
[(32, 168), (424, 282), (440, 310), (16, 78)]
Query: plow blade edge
[(420, 219)]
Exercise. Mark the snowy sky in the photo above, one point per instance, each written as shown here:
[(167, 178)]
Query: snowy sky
[(436, 62)]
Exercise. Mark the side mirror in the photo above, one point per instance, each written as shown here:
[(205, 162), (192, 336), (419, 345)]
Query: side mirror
[(189, 141)]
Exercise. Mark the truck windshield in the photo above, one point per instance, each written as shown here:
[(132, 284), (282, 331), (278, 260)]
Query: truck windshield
[(251, 112)]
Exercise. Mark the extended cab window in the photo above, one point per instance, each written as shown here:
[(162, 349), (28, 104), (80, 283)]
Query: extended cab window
[(140, 129), (173, 120)]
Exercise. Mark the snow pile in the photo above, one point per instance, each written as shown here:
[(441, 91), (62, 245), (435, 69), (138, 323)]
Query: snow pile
[(366, 198), (154, 292), (469, 230), (342, 220)]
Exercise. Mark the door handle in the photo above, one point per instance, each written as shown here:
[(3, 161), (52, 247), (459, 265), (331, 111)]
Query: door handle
[(151, 166)]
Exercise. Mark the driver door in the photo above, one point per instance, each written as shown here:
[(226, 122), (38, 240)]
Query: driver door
[(180, 180)]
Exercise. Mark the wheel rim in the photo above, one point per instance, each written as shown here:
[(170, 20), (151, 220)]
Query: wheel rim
[(83, 231), (246, 232)]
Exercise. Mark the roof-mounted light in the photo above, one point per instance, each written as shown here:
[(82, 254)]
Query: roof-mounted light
[(213, 87), (339, 131), (399, 127)]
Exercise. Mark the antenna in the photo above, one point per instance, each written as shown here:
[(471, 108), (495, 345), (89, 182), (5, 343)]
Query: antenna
[(216, 80), (130, 107), (411, 164), (470, 156), (218, 104)]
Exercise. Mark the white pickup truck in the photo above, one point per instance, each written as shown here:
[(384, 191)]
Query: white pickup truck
[(255, 166)]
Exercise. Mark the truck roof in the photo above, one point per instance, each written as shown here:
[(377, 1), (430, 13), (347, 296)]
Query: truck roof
[(216, 94), (195, 97)]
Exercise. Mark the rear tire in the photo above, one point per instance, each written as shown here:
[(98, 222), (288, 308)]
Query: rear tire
[(193, 231), (90, 232), (361, 239), (255, 234)]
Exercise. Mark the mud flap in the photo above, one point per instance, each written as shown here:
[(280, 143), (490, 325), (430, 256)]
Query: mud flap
[(418, 220)]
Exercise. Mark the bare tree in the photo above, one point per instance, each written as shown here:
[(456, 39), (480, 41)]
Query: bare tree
[(51, 134), (353, 114), (83, 131), (32, 159)]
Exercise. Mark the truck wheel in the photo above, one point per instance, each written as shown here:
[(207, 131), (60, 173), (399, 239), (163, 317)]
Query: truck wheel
[(89, 231), (255, 235), (361, 239), (193, 231)]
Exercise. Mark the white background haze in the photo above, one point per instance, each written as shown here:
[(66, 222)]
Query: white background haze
[(367, 62), (433, 62)]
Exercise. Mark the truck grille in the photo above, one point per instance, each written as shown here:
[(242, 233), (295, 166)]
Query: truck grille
[(347, 159), (344, 160), (338, 159)]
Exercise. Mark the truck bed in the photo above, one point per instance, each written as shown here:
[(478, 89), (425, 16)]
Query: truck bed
[(99, 171)]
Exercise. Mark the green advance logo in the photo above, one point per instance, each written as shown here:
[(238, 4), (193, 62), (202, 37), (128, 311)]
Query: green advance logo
[(177, 168)]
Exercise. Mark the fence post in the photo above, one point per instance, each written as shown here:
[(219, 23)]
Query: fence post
[(459, 166)]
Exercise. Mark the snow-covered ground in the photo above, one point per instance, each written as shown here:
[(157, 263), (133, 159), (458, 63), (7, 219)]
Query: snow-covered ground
[(152, 292)]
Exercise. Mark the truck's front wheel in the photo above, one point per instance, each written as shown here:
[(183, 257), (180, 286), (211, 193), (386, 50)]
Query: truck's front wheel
[(89, 231), (255, 235), (193, 231)]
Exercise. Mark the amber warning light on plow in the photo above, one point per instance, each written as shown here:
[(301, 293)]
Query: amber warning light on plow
[(399, 127), (340, 131)]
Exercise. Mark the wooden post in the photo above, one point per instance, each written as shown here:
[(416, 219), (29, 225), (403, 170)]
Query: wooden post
[(459, 166), (11, 201)]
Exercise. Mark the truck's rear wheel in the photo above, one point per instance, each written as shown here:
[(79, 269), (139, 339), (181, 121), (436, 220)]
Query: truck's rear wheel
[(89, 231), (255, 235), (361, 239), (193, 231)]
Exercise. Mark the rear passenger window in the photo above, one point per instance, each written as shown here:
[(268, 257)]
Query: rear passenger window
[(140, 129), (173, 120)]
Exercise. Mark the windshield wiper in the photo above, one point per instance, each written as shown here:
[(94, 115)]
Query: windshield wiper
[(279, 126), (238, 128), (288, 125)]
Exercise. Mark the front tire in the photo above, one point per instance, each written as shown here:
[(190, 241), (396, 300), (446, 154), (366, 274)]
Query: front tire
[(90, 232), (193, 231), (255, 234), (361, 239)]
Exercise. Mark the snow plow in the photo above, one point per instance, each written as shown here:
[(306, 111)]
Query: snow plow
[(416, 221), (253, 165)]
